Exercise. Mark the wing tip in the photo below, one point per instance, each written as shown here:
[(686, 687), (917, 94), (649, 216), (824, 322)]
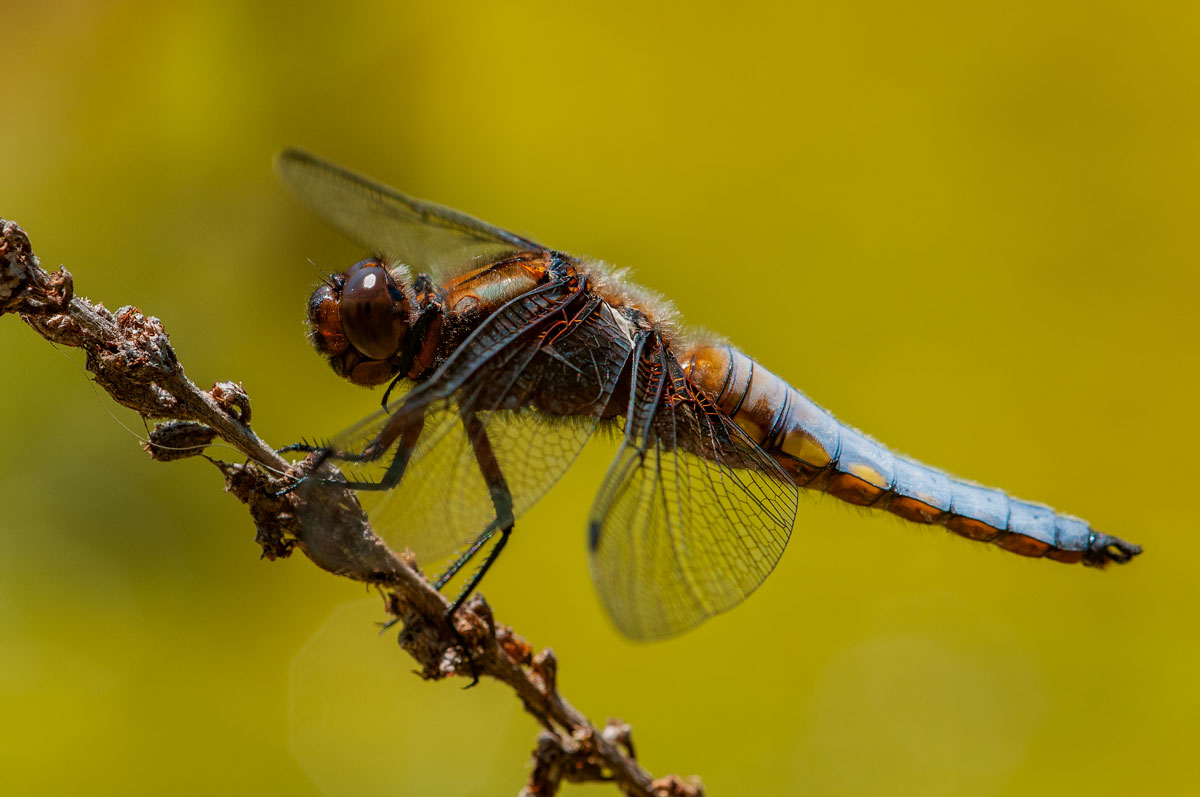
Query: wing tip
[(289, 155)]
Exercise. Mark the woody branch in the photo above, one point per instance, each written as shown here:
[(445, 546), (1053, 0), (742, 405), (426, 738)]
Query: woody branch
[(130, 356)]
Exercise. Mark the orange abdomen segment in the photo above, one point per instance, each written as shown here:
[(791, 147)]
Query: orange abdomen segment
[(822, 453)]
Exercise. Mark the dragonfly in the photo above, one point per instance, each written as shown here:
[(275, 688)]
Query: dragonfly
[(503, 357)]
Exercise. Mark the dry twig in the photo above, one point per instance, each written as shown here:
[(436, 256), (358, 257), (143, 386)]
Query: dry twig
[(131, 357)]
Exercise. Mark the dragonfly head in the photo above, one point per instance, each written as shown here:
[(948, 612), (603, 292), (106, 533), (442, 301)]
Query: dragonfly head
[(359, 320)]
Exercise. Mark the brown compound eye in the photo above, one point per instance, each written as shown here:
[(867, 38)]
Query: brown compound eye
[(324, 324), (374, 312)]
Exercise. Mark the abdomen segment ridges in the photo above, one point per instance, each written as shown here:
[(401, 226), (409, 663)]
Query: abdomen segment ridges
[(821, 453)]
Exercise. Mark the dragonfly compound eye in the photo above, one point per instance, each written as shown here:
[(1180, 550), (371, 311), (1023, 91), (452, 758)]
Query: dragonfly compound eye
[(324, 325), (374, 312)]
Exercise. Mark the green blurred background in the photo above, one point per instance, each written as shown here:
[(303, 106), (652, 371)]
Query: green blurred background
[(970, 231)]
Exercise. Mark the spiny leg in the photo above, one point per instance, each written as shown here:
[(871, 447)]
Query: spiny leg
[(458, 563), (408, 435), (489, 467), (502, 501), (466, 556), (480, 571)]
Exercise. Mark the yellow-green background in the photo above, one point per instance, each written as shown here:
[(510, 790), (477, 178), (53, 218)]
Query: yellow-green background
[(969, 229)]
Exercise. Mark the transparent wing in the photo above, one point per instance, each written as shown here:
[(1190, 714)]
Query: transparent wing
[(538, 393), (692, 515), (430, 238), (442, 504)]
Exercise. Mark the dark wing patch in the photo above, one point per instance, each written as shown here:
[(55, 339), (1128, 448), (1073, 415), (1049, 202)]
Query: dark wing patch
[(427, 237)]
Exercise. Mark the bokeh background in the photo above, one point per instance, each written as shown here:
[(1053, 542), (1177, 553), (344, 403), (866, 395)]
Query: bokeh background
[(969, 230)]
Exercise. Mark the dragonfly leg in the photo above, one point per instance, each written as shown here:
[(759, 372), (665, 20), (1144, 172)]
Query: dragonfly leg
[(501, 500), (387, 393), (391, 477), (304, 448), (480, 571), (322, 454), (476, 577), (467, 555), (473, 582)]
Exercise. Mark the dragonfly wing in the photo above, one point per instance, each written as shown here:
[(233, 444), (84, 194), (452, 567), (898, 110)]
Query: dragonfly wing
[(692, 515), (538, 385), (427, 237)]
